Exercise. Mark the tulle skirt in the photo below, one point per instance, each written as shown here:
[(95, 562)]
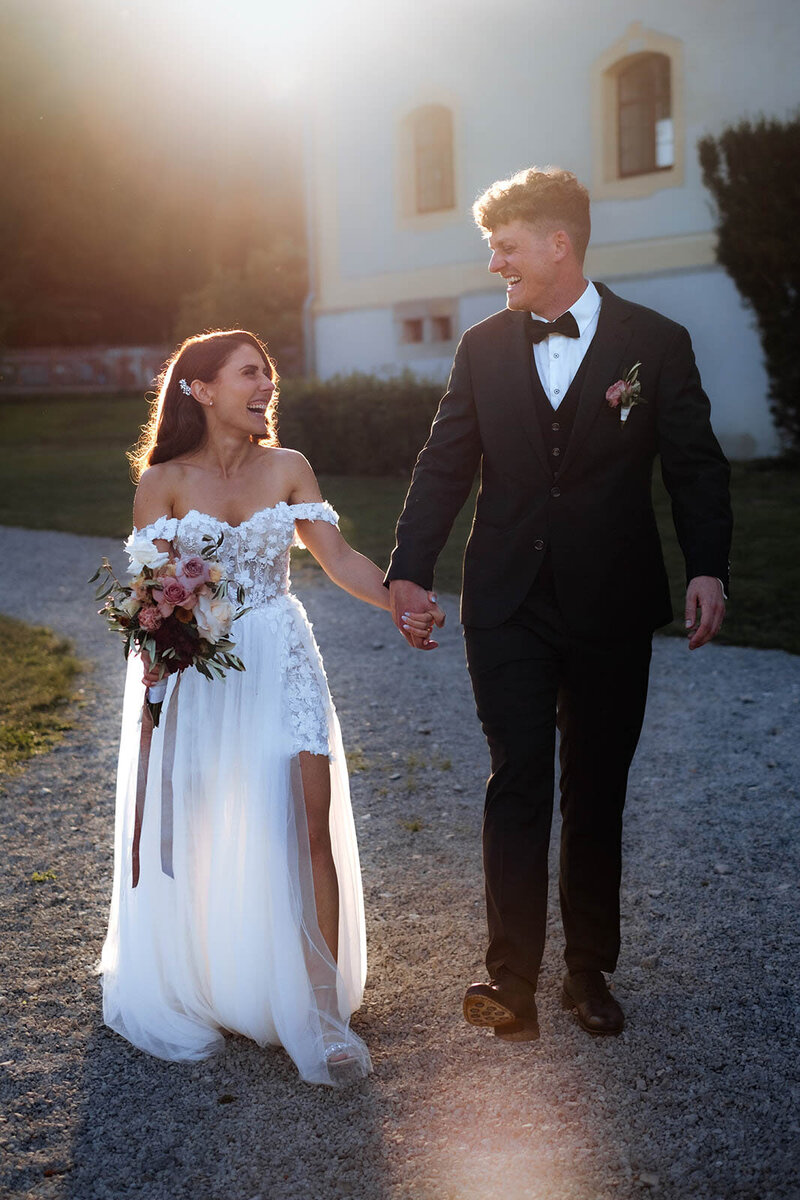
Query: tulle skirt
[(220, 932)]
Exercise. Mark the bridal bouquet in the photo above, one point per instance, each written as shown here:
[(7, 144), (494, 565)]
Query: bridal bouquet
[(176, 612)]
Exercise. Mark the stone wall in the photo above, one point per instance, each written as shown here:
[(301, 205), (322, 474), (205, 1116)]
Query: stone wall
[(81, 368)]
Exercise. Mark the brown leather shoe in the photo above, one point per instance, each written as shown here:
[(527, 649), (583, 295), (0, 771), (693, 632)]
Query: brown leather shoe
[(586, 993), (495, 1005)]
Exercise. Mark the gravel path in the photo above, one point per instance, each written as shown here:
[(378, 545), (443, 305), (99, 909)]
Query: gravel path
[(696, 1101)]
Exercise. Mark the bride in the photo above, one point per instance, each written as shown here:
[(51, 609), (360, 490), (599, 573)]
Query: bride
[(259, 930)]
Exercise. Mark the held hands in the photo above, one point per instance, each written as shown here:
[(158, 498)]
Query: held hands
[(415, 612), (705, 610)]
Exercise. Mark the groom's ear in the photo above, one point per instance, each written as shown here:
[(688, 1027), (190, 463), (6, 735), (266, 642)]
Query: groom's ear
[(561, 243)]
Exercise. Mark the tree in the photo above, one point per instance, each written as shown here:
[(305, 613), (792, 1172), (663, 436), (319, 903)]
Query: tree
[(125, 188), (265, 295), (753, 173)]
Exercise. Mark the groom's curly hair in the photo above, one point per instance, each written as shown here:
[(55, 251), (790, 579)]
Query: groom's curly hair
[(547, 196)]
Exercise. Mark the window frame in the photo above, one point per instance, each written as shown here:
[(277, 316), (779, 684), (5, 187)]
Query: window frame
[(410, 149), (607, 180)]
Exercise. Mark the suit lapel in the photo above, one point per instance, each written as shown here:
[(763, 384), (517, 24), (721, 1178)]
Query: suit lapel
[(605, 366), (517, 357)]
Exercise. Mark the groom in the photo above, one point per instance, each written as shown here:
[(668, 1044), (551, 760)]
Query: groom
[(561, 404)]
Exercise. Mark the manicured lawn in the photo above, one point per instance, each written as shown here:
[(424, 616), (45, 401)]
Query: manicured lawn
[(62, 466), (37, 669), (62, 463)]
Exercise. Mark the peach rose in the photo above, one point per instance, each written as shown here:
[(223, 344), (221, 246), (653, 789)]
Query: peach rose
[(213, 617)]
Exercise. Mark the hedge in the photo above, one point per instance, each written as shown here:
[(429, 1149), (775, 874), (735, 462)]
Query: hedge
[(358, 424)]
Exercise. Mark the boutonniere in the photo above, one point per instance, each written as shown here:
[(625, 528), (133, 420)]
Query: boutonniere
[(625, 393)]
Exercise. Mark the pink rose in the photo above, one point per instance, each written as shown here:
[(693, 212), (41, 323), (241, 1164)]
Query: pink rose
[(149, 617), (172, 594), (616, 392), (192, 571)]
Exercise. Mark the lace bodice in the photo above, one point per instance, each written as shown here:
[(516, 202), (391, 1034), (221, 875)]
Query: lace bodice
[(255, 553)]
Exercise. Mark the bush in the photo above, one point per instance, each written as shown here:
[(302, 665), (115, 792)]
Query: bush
[(358, 424), (753, 173)]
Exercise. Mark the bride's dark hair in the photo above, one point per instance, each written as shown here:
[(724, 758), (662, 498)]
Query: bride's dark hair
[(177, 423)]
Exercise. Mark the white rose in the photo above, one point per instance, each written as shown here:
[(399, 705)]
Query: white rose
[(213, 616), (144, 553)]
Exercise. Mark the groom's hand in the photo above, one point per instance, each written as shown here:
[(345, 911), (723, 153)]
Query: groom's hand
[(705, 610), (407, 597)]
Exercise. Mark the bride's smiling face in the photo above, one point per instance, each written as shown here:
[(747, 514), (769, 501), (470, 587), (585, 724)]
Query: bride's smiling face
[(239, 395)]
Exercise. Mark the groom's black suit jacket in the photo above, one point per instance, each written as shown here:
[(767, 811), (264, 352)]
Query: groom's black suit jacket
[(593, 517)]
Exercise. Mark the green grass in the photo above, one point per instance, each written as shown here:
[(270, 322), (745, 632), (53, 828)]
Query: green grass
[(38, 670), (763, 609), (62, 466), (765, 573), (62, 463)]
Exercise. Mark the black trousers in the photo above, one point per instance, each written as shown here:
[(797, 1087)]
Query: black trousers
[(530, 675)]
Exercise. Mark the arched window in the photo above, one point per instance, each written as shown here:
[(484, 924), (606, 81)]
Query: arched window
[(432, 149), (645, 137), (638, 122)]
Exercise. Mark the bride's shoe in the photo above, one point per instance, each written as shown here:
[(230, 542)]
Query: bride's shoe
[(344, 1064)]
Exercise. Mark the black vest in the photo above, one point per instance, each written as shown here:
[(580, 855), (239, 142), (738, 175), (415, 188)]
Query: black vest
[(556, 426), (556, 423)]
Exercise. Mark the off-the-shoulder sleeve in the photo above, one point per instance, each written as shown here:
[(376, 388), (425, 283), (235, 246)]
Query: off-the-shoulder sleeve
[(164, 528), (313, 510)]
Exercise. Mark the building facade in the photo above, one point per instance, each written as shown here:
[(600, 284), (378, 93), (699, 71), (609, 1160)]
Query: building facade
[(412, 121)]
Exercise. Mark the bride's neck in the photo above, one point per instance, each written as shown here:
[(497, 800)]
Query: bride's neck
[(225, 455)]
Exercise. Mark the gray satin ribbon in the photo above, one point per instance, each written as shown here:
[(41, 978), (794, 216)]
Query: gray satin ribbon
[(167, 764)]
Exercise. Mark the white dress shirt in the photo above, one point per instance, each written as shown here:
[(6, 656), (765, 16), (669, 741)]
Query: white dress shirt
[(557, 357)]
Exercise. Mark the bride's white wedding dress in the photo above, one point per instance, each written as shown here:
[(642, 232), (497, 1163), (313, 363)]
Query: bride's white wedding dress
[(230, 941)]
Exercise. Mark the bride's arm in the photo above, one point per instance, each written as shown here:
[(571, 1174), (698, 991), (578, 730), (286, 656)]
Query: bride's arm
[(345, 566), (153, 499)]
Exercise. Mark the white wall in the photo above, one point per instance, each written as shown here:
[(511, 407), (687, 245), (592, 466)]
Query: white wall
[(519, 80), (365, 340)]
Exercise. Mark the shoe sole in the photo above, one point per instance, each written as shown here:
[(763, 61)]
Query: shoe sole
[(483, 1011), (486, 1013), (570, 1005)]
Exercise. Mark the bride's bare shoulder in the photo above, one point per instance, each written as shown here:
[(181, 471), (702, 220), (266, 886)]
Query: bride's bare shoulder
[(290, 466), (155, 493)]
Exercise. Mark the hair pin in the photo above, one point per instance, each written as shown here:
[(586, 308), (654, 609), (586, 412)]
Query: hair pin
[(185, 388)]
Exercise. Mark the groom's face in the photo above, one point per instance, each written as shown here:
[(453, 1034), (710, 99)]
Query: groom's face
[(527, 258)]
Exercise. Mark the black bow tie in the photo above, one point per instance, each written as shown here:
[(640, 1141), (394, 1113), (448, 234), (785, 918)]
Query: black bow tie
[(566, 325)]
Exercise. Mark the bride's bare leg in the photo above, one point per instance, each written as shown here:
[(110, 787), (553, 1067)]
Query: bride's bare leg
[(343, 1060), (315, 770)]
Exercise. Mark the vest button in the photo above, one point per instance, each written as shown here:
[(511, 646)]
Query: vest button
[(556, 452), (555, 427), (556, 491), (538, 544)]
